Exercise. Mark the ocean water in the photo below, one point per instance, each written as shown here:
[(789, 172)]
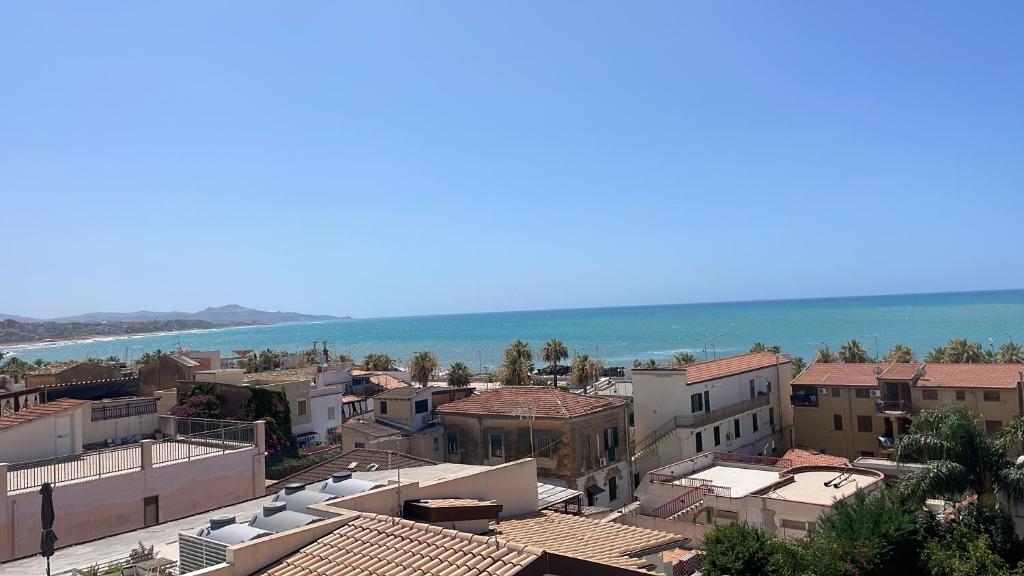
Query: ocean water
[(618, 335)]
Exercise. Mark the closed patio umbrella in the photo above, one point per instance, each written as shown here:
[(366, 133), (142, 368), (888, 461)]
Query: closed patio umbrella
[(48, 538)]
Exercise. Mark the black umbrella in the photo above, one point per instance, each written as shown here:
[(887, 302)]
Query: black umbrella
[(48, 538)]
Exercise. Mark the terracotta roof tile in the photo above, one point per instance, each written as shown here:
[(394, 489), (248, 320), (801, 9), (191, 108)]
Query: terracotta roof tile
[(545, 402), (722, 367), (358, 460), (935, 375), (39, 411), (796, 457), (605, 542), (373, 545)]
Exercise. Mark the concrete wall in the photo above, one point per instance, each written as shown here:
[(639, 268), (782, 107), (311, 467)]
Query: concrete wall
[(81, 372), (90, 509), (37, 439), (140, 426), (234, 376), (694, 532)]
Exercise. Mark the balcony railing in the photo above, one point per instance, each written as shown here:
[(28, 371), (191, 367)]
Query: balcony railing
[(94, 464), (187, 447), (894, 406), (123, 410), (701, 419), (804, 400)]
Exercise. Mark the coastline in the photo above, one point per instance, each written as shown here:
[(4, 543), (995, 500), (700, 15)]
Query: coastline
[(35, 344)]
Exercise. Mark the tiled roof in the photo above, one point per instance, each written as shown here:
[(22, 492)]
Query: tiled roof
[(796, 457), (39, 411), (373, 545), (358, 460), (715, 369), (369, 425), (402, 392), (55, 368), (284, 375), (544, 402), (605, 542), (935, 375)]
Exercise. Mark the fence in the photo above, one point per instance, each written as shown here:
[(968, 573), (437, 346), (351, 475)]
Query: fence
[(123, 410), (736, 458), (186, 447), (678, 504), (93, 464)]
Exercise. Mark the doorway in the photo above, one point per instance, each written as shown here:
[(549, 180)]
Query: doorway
[(63, 436), (151, 510)]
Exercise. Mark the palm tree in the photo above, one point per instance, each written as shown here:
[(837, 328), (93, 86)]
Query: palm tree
[(683, 359), (824, 355), (553, 352), (458, 375), (851, 352), (900, 353), (1011, 353), (959, 350), (378, 363), (937, 355), (516, 364), (585, 371), (268, 359), (798, 365), (421, 366), (760, 347), (960, 457)]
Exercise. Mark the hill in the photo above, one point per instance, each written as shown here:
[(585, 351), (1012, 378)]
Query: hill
[(230, 314)]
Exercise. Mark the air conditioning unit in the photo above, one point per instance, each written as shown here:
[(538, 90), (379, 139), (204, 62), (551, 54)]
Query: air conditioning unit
[(822, 390), (874, 392), (603, 461)]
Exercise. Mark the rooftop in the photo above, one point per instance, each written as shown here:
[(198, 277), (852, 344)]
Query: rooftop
[(740, 480), (934, 375), (797, 457), (605, 542), (39, 411), (369, 425), (722, 367), (358, 460), (542, 401), (57, 367), (403, 392), (381, 545), (822, 485)]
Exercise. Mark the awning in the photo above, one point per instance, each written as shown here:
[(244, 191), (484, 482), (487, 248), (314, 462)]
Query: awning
[(594, 490)]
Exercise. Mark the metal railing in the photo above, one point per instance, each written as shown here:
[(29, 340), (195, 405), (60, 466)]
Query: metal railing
[(123, 410), (700, 419), (804, 400), (680, 503), (897, 406), (191, 426), (737, 458), (186, 447), (94, 464)]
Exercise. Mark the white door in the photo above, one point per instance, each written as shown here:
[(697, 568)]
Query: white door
[(63, 436)]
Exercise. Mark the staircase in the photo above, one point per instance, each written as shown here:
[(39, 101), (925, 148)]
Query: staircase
[(698, 420), (677, 507)]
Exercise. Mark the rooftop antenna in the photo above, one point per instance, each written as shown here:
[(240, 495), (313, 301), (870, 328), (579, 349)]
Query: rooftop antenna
[(526, 411)]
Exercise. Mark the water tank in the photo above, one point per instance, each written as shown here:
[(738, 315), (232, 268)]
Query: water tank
[(343, 484), (275, 517), (296, 497)]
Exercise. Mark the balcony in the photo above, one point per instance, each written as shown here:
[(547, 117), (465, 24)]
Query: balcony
[(804, 400), (897, 407), (705, 418)]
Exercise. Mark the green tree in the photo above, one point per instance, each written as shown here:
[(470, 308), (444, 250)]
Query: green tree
[(1010, 353), (553, 352), (378, 363), (959, 350), (421, 366), (458, 375), (16, 368), (824, 355), (851, 352), (899, 353), (736, 550), (268, 359), (798, 365), (585, 371), (760, 347), (936, 355), (960, 457), (148, 357), (964, 551), (683, 359), (93, 360), (516, 364)]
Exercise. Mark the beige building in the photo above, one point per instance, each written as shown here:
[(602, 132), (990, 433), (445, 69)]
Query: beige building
[(403, 420), (855, 410), (781, 496), (580, 442), (732, 404), (66, 373)]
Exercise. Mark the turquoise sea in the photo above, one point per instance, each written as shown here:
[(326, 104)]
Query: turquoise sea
[(618, 335)]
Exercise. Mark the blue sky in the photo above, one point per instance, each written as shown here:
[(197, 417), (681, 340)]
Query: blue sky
[(388, 158)]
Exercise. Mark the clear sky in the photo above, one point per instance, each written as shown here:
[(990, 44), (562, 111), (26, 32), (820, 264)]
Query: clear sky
[(389, 158)]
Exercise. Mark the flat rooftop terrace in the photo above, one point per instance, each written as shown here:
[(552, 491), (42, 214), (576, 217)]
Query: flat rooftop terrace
[(740, 480), (810, 486)]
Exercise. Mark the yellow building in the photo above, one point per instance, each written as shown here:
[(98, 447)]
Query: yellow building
[(855, 410)]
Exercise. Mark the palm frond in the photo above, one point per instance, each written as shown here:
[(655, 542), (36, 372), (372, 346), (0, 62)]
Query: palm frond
[(1010, 482), (938, 477)]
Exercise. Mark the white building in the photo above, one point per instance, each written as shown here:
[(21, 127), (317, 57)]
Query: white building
[(726, 405)]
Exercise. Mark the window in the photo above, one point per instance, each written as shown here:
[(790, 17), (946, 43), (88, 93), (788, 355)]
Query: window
[(736, 427), (718, 436), (421, 406), (862, 393), (864, 424), (436, 444), (837, 422), (611, 442), (991, 396), (332, 413), (929, 394), (961, 395), (707, 401), (753, 420), (302, 407), (836, 392), (383, 406), (613, 489), (543, 442), (771, 416), (360, 444), (699, 438), (453, 442), (993, 426), (696, 403), (752, 393), (496, 447), (867, 454)]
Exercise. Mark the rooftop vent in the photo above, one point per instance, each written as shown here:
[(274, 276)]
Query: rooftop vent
[(340, 476), (293, 487), (274, 507)]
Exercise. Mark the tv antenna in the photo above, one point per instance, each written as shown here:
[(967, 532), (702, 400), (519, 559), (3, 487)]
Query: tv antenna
[(526, 411)]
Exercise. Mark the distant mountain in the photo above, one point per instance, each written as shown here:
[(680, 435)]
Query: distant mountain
[(230, 314)]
